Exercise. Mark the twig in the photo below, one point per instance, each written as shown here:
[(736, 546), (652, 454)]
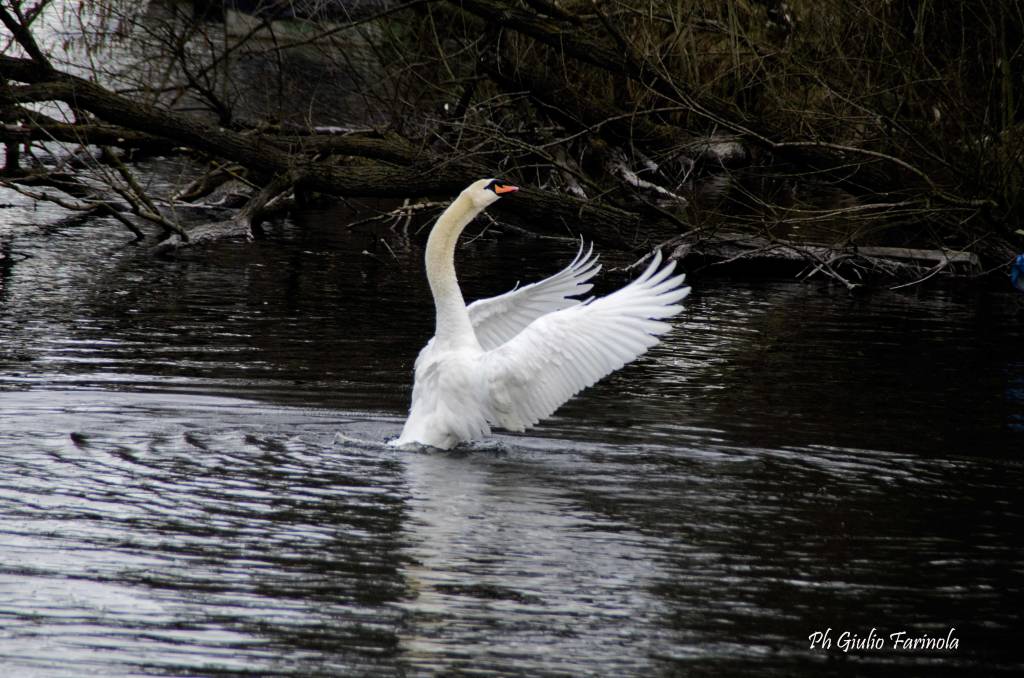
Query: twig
[(111, 158), (405, 211), (939, 267), (136, 198)]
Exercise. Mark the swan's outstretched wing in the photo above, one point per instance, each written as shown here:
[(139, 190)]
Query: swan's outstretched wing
[(562, 353), (498, 319)]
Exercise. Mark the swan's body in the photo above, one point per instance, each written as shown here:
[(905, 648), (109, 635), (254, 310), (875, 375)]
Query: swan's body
[(512, 360)]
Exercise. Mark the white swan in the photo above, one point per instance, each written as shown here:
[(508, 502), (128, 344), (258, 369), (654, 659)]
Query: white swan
[(513, 359)]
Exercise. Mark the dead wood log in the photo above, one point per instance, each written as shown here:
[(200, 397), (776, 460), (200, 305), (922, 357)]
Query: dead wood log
[(210, 181), (39, 127), (387, 167), (843, 263), (243, 224)]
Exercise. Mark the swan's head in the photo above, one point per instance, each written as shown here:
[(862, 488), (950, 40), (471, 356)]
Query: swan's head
[(484, 192)]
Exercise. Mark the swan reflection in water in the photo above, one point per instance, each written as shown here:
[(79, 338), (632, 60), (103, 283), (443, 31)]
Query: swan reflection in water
[(503, 555)]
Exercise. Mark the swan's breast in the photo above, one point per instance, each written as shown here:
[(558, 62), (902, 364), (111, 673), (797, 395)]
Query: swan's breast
[(449, 399)]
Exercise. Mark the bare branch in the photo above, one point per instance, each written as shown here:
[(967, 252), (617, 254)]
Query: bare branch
[(18, 25)]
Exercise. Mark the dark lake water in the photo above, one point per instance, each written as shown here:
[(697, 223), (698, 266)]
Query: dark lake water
[(174, 500)]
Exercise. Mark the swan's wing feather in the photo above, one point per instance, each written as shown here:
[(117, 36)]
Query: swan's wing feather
[(561, 353), (498, 319)]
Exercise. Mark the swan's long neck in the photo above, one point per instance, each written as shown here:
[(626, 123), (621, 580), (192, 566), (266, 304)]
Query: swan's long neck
[(453, 325)]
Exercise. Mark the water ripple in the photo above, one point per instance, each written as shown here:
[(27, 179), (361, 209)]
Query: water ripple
[(174, 499)]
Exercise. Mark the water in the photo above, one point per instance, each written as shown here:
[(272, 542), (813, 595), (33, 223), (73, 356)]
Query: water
[(174, 500)]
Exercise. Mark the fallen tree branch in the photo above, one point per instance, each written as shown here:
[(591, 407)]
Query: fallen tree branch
[(210, 181), (94, 206), (241, 225), (40, 127), (418, 174), (732, 248), (136, 197)]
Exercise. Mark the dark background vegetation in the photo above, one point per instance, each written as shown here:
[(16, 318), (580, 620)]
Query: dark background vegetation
[(832, 134)]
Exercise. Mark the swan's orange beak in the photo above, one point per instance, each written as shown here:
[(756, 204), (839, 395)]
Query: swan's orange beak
[(501, 189)]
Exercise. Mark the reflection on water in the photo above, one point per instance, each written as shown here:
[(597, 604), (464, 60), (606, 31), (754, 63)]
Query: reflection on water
[(173, 500)]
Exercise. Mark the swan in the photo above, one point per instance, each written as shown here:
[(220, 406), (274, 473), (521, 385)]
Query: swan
[(513, 359)]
